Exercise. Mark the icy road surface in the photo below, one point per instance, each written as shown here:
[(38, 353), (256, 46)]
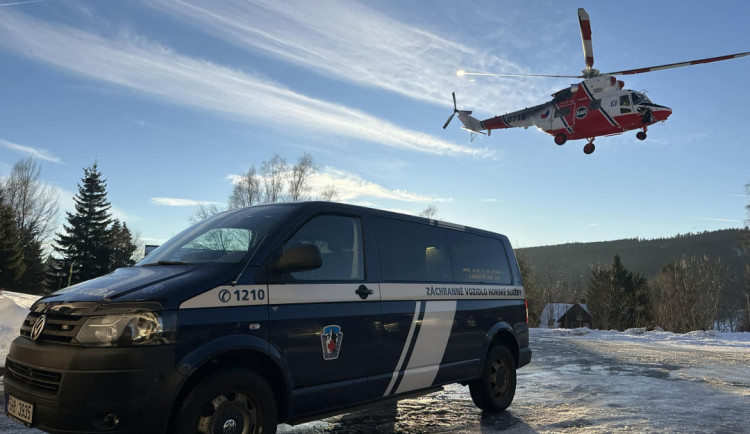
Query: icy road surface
[(587, 382)]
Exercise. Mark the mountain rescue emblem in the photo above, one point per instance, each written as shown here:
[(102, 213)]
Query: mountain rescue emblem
[(331, 340)]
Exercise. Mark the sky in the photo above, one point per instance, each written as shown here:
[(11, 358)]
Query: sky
[(174, 99)]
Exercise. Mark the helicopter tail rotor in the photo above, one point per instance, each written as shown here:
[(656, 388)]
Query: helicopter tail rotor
[(455, 110)]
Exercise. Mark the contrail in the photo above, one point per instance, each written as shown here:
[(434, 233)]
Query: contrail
[(21, 3), (717, 220)]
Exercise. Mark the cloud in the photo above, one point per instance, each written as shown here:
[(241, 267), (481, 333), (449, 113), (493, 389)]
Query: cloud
[(142, 66), (350, 187), (328, 38), (41, 154), (172, 201), (21, 3), (717, 220), (592, 225)]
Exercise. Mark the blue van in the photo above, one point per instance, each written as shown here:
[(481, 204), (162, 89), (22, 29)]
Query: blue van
[(279, 313)]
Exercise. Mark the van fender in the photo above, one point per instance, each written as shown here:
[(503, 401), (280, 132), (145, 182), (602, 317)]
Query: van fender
[(198, 357), (504, 333)]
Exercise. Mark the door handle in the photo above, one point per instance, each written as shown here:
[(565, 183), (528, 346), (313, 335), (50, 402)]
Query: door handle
[(363, 292)]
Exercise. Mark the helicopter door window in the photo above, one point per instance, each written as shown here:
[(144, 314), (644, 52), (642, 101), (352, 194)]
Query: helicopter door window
[(625, 104), (563, 112)]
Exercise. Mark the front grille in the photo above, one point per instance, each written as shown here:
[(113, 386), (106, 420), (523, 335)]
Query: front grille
[(61, 329), (39, 380)]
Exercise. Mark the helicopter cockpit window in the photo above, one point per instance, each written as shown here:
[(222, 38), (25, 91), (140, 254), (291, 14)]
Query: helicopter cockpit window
[(639, 98), (625, 104)]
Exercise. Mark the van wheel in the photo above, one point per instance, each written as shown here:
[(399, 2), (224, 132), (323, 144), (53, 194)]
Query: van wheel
[(232, 401), (495, 390)]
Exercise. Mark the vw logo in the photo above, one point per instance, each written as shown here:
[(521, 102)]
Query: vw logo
[(36, 329), (230, 426)]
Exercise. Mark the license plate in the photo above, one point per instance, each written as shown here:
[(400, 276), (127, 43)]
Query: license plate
[(19, 410)]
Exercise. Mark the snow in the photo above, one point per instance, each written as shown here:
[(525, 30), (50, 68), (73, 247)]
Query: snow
[(722, 341), (13, 310)]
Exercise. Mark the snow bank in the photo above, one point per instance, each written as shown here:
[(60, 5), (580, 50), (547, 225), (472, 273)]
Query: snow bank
[(713, 338), (13, 310)]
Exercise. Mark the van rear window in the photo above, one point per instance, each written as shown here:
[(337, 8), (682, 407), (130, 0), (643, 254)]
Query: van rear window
[(415, 252), (478, 259)]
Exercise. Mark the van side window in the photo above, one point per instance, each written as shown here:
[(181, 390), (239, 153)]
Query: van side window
[(339, 239), (478, 259), (412, 252)]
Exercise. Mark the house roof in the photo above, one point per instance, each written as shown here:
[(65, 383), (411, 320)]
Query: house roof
[(555, 311)]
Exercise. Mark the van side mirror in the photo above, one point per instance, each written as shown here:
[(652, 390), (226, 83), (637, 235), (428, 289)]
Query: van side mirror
[(301, 257)]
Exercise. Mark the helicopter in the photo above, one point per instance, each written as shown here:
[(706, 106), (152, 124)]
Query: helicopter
[(597, 106)]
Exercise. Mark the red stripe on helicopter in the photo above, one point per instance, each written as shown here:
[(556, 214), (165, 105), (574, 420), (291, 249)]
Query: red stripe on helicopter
[(495, 123)]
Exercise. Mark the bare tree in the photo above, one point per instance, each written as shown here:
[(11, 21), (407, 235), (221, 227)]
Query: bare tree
[(430, 212), (329, 193), (273, 172), (203, 212), (246, 190), (34, 203), (686, 293), (299, 178)]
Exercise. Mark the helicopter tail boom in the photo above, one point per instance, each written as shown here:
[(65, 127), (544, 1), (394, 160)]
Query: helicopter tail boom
[(470, 122)]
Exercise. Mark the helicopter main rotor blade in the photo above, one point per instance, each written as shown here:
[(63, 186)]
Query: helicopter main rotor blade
[(588, 49), (461, 73), (679, 64)]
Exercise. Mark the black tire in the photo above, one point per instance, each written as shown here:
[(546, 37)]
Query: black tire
[(560, 139), (495, 390), (231, 397)]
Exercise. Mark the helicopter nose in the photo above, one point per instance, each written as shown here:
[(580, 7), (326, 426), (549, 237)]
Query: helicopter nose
[(661, 113)]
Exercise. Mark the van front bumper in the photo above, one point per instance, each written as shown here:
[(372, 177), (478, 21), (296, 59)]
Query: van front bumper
[(92, 390)]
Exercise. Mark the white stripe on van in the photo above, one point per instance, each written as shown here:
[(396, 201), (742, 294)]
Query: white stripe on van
[(432, 340), (404, 350), (304, 293)]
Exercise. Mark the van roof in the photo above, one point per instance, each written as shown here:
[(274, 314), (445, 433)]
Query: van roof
[(344, 207)]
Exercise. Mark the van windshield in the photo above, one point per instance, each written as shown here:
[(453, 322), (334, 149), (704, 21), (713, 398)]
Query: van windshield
[(229, 237)]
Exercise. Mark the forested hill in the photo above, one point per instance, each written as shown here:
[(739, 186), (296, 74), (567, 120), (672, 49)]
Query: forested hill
[(572, 262)]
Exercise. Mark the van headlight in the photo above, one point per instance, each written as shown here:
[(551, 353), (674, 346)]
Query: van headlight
[(127, 329)]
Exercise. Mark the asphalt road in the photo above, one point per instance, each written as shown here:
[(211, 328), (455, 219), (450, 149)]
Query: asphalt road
[(576, 385)]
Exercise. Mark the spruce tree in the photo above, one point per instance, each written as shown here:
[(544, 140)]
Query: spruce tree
[(32, 280), (121, 246), (85, 245), (11, 253), (618, 298)]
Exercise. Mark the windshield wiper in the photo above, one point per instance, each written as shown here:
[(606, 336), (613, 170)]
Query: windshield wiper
[(169, 263)]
